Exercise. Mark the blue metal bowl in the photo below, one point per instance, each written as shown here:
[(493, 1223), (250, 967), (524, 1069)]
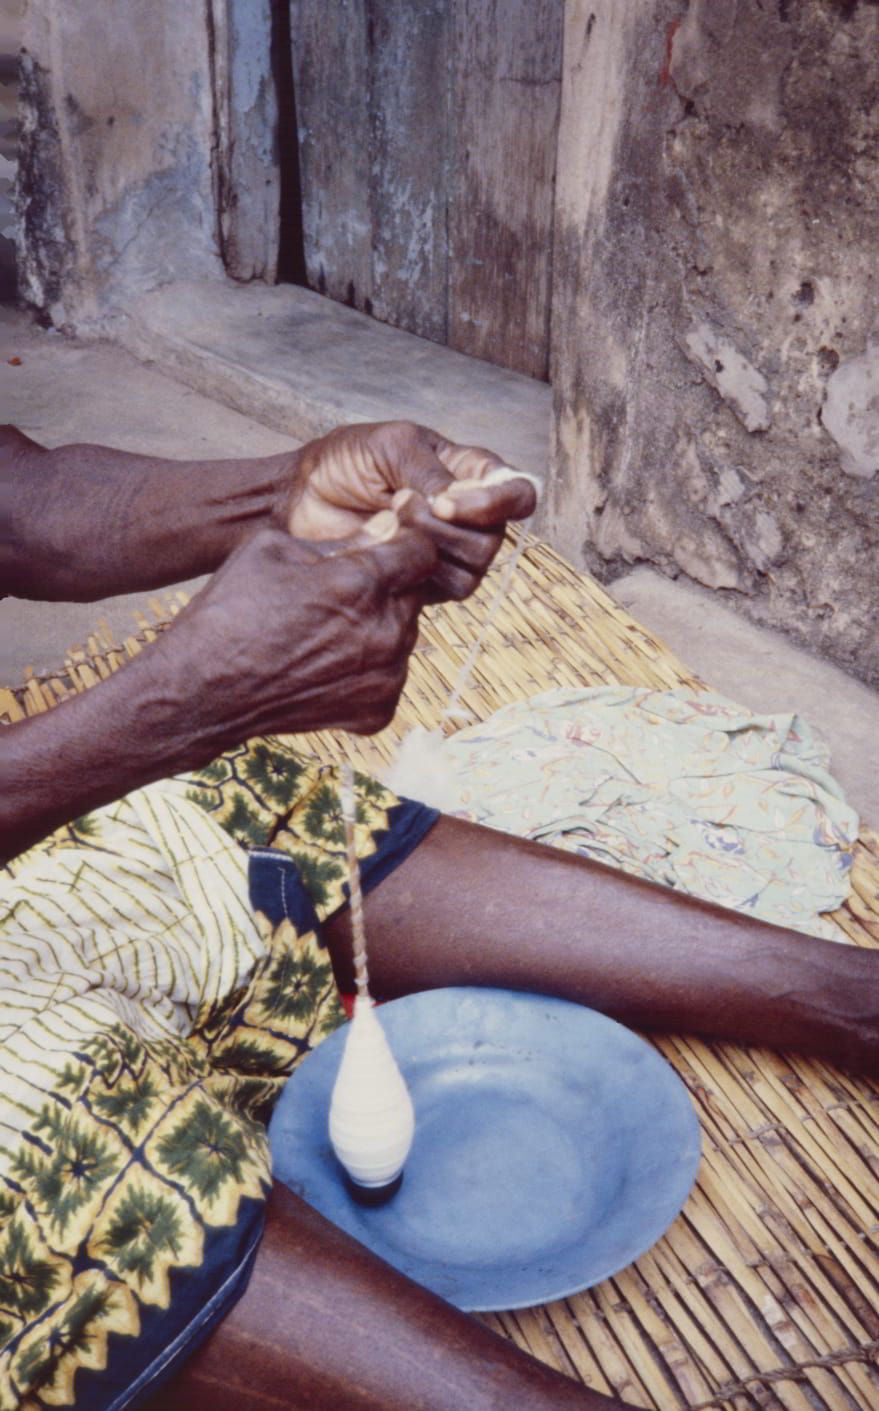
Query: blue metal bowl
[(552, 1146)]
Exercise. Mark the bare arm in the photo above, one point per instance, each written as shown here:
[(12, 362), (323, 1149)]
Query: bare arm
[(284, 638), (86, 522), (281, 639)]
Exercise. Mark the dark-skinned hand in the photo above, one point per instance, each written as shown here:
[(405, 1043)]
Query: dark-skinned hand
[(289, 636), (461, 496)]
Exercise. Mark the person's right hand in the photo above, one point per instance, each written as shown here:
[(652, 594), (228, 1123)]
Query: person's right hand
[(461, 496), (289, 637)]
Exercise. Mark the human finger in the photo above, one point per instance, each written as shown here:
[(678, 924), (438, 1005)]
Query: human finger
[(466, 462), (430, 464), (401, 557), (501, 493), (378, 529), (465, 552)]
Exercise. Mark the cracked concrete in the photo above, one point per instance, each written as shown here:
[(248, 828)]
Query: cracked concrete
[(715, 305)]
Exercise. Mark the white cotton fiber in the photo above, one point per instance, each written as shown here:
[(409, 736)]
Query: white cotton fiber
[(422, 771)]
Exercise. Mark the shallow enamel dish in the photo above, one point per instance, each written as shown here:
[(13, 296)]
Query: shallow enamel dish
[(552, 1147)]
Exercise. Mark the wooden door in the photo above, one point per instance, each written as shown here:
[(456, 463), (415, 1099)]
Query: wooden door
[(427, 142)]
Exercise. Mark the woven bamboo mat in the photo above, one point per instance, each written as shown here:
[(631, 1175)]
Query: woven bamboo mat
[(765, 1291)]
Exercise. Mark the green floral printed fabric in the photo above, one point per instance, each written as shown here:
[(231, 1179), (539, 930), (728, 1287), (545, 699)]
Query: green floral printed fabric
[(681, 787), (148, 1020)]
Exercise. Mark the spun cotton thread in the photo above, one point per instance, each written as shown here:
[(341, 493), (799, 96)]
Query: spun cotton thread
[(371, 1119), (420, 769), (364, 1123), (358, 925)]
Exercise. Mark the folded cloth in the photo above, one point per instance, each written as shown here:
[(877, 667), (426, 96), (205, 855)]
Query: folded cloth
[(680, 787)]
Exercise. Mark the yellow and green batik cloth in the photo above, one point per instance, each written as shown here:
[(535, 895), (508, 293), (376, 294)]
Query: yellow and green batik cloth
[(162, 975)]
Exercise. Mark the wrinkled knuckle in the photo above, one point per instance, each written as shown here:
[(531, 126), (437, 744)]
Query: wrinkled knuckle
[(412, 434), (268, 546), (460, 585), (403, 427), (386, 641), (354, 578)]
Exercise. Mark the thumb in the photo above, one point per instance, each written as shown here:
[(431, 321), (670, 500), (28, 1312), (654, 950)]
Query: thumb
[(404, 557), (381, 527)]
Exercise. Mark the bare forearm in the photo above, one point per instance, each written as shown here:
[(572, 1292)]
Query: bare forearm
[(279, 641), (127, 732), (86, 522)]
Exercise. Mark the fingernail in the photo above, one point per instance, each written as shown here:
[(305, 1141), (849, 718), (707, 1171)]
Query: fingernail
[(442, 505), (401, 498), (458, 487), (501, 473), (382, 526)]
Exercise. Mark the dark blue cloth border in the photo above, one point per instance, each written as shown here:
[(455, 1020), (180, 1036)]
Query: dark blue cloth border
[(276, 885), (410, 822), (200, 1299), (277, 890)]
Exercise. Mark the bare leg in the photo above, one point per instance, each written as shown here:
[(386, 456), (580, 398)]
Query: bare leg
[(326, 1326), (476, 907)]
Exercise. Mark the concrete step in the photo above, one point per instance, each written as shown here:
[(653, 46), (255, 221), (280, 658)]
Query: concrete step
[(61, 390), (760, 669), (303, 364)]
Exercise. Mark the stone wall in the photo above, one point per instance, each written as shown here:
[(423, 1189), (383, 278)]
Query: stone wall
[(716, 306)]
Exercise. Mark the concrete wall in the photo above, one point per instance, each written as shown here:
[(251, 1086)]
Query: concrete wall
[(716, 306), (146, 150)]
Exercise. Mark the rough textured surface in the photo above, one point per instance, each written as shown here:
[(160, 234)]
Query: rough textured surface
[(714, 288), (302, 364), (10, 30), (246, 172), (720, 419), (65, 391), (851, 413), (116, 188), (428, 134), (147, 150)]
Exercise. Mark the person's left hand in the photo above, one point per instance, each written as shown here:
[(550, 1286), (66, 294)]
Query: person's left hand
[(461, 496)]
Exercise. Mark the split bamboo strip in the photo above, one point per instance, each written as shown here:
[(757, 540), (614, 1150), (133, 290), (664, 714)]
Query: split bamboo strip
[(570, 1334), (765, 1291), (688, 1314)]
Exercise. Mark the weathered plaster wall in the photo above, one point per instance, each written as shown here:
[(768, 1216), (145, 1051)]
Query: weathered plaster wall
[(716, 305), (146, 150)]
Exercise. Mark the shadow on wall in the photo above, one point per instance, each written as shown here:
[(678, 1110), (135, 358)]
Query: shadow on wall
[(8, 154)]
